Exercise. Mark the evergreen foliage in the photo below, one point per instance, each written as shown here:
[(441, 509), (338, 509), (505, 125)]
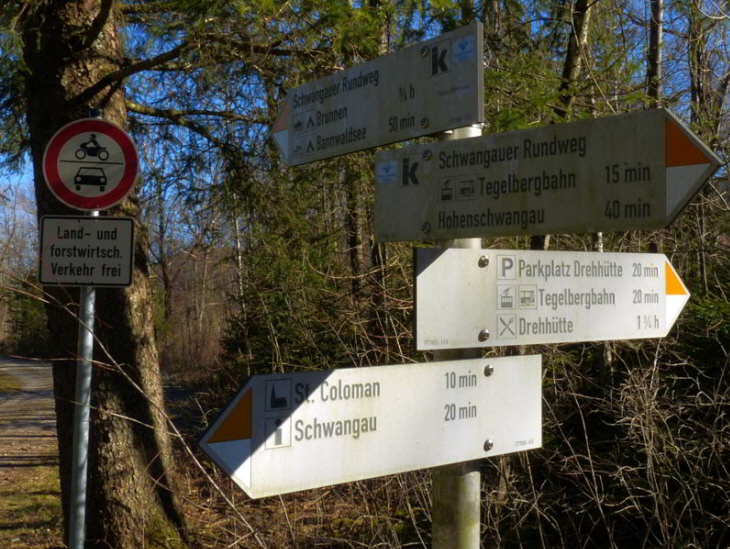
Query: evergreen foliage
[(27, 329), (288, 277)]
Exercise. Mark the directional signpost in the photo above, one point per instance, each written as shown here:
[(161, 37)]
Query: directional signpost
[(487, 298), (87, 251), (434, 86), (289, 432), (634, 171)]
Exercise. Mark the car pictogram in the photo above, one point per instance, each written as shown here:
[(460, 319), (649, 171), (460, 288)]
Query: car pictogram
[(90, 176)]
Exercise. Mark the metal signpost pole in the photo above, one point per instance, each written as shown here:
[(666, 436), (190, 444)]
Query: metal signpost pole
[(88, 178), (80, 458), (456, 492), (79, 464)]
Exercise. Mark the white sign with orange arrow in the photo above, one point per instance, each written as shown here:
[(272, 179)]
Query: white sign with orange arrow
[(633, 171), (487, 298), (289, 432)]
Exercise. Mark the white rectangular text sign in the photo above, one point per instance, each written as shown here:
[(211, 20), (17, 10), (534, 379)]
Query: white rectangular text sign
[(86, 251)]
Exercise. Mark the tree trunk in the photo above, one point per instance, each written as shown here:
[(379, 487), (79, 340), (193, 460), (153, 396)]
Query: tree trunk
[(164, 260), (654, 65), (68, 46), (353, 226), (708, 96), (577, 44)]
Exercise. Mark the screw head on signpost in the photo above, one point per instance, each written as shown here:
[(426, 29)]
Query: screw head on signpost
[(90, 164)]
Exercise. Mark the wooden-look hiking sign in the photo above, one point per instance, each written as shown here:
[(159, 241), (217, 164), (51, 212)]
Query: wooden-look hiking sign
[(90, 164), (633, 171), (431, 87), (487, 298), (289, 432)]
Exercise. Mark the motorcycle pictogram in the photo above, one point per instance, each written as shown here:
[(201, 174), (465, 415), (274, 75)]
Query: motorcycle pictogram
[(92, 148)]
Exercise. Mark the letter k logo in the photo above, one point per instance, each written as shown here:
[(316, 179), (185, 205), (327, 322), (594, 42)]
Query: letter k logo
[(409, 173), (438, 60)]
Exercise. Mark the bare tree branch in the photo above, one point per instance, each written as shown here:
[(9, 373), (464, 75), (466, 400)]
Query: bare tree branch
[(175, 115), (116, 76), (180, 118)]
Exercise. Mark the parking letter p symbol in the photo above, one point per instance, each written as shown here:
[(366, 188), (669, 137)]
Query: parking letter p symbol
[(506, 267)]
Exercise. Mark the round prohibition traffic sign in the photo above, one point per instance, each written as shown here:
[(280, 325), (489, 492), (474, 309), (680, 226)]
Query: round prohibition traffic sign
[(90, 164)]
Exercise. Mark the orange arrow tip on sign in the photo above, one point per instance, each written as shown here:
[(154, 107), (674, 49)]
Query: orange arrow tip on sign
[(237, 424), (282, 123), (680, 149), (674, 285)]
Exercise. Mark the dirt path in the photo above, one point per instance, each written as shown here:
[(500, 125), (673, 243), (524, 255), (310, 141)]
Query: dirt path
[(29, 492)]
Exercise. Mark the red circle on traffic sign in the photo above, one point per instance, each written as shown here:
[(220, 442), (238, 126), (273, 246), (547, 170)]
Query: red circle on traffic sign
[(90, 164)]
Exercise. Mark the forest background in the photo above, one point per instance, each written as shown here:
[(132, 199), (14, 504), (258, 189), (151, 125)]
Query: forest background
[(255, 268)]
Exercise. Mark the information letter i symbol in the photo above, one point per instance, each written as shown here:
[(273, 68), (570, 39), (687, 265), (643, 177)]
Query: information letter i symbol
[(278, 433)]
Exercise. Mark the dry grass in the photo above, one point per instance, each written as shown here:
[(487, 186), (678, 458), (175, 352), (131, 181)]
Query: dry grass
[(30, 504), (30, 507), (8, 383)]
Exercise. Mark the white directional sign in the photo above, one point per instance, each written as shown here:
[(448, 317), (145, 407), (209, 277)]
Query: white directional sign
[(486, 298), (87, 251), (634, 171), (289, 432), (431, 87)]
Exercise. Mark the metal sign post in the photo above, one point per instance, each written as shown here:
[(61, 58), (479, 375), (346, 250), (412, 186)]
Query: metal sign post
[(89, 164), (80, 459), (456, 490)]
